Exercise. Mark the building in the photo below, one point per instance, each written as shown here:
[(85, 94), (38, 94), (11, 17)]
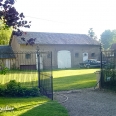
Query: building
[(68, 50), (7, 56)]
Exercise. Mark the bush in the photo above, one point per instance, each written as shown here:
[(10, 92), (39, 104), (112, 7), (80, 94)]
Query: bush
[(14, 89), (3, 69), (2, 90)]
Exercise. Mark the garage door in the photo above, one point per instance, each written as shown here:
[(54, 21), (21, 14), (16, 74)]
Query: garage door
[(64, 59)]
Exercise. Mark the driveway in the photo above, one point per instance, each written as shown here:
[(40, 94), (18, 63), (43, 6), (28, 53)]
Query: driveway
[(88, 102)]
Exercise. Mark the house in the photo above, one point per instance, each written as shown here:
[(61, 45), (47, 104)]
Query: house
[(6, 56), (68, 50)]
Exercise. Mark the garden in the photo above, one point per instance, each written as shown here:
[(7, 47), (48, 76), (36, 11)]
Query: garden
[(69, 79)]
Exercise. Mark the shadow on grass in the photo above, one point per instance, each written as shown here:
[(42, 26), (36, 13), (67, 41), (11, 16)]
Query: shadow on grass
[(47, 109), (33, 106), (74, 82)]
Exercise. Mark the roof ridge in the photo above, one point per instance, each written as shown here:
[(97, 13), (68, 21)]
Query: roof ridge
[(55, 33)]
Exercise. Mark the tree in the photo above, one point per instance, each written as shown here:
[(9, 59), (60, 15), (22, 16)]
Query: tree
[(5, 36), (106, 38), (91, 33), (10, 18), (113, 36)]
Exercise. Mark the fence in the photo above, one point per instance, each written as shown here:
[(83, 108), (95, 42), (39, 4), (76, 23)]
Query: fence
[(45, 74), (108, 70), (28, 68)]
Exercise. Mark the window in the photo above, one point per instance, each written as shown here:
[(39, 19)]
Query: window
[(93, 54), (76, 55), (27, 56), (85, 54)]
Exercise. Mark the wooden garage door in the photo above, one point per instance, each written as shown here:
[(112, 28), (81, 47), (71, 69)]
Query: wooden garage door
[(64, 59), (28, 67)]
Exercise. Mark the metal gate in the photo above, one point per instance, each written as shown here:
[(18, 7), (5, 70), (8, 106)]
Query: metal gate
[(45, 78), (108, 70), (29, 68)]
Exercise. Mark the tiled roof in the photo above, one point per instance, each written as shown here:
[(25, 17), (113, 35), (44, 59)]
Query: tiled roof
[(6, 52), (57, 38)]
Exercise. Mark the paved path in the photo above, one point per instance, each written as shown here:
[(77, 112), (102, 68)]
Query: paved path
[(88, 102)]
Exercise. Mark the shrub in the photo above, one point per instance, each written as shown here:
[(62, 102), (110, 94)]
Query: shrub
[(2, 90), (3, 69), (14, 89)]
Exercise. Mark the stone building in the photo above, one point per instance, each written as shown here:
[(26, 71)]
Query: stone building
[(68, 50)]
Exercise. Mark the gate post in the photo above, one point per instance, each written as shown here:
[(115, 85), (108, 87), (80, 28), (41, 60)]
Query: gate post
[(100, 82), (51, 78), (38, 58)]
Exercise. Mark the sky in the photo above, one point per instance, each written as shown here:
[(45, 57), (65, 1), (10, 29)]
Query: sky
[(69, 16)]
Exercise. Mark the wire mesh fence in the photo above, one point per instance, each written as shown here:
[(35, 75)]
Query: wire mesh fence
[(29, 68), (108, 71), (19, 66)]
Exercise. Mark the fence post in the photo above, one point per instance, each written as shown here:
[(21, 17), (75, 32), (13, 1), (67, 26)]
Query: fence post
[(51, 78), (38, 56), (100, 82)]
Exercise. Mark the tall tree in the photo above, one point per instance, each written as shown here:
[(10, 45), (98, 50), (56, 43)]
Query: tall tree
[(113, 36), (11, 18), (106, 39), (91, 33)]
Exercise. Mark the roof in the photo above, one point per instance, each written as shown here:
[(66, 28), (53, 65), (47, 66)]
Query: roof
[(6, 52), (57, 38)]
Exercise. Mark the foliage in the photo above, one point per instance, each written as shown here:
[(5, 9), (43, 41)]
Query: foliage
[(5, 36), (108, 37), (109, 79), (113, 36), (3, 69), (91, 33), (11, 18), (14, 89)]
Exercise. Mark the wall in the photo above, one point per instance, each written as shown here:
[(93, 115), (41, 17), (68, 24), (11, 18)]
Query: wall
[(14, 44), (76, 52)]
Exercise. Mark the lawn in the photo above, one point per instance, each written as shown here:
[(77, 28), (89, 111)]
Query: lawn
[(74, 79), (27, 78), (36, 106), (69, 79), (62, 79)]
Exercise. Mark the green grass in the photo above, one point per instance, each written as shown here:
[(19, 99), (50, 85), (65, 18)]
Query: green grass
[(74, 79), (63, 79), (41, 106), (27, 78), (37, 106)]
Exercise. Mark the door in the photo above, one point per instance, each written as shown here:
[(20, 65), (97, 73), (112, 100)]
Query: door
[(64, 59), (41, 62), (85, 56), (8, 63)]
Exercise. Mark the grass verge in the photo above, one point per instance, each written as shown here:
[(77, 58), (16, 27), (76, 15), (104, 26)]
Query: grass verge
[(37, 106)]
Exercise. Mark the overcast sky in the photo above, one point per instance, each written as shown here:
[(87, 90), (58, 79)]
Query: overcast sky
[(69, 16)]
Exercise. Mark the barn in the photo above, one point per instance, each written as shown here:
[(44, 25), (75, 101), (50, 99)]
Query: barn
[(68, 50)]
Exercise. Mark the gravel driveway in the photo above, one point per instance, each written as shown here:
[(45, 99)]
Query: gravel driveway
[(88, 102)]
